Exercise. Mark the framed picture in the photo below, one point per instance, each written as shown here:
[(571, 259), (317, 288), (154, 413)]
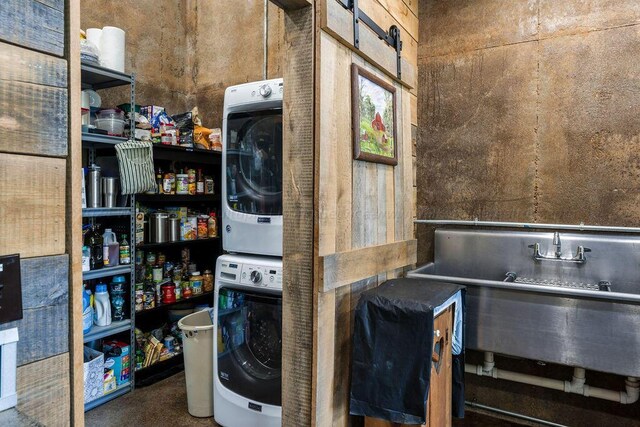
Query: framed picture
[(373, 112)]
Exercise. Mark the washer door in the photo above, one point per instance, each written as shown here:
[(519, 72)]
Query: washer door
[(250, 357)]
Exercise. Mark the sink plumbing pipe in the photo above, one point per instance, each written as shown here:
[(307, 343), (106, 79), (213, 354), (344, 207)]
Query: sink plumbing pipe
[(576, 385)]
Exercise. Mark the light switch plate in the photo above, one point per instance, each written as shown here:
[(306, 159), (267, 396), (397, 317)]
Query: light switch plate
[(10, 289)]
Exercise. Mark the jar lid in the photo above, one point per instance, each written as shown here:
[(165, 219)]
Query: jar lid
[(195, 273), (101, 288), (207, 272), (118, 279)]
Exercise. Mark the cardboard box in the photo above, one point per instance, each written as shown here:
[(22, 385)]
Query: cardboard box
[(179, 211), (150, 110), (93, 374), (117, 358), (110, 384)]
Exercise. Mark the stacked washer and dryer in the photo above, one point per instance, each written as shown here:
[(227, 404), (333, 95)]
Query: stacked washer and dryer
[(248, 290)]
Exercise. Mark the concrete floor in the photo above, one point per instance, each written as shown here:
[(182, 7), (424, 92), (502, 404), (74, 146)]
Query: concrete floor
[(165, 404), (161, 404)]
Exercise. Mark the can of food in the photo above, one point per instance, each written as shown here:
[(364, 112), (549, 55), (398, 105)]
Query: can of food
[(178, 291), (208, 185), (162, 259), (203, 227), (168, 291), (182, 183), (139, 297), (149, 299), (139, 257), (151, 258), (158, 293), (156, 274)]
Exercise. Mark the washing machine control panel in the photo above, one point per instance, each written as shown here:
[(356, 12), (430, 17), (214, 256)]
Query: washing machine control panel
[(258, 275)]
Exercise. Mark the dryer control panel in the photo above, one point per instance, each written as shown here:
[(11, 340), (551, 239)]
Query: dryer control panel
[(258, 275)]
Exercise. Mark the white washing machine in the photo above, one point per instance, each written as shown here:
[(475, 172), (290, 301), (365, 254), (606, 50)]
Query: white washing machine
[(252, 168), (247, 365)]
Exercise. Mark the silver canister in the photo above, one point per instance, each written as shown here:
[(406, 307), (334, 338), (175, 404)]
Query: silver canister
[(158, 225), (109, 192), (94, 187), (174, 228)]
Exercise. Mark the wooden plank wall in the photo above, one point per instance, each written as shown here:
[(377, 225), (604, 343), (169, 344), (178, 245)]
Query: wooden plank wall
[(298, 209), (359, 204), (34, 123)]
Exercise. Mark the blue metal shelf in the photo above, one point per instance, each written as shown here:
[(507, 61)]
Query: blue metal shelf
[(99, 212), (96, 77), (124, 388), (97, 138), (107, 271), (98, 332)]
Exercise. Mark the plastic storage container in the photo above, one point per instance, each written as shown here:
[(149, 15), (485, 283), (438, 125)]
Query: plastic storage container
[(114, 127), (197, 342)]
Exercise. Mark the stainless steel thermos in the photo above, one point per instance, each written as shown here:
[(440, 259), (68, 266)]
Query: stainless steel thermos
[(109, 191), (94, 187), (174, 228), (158, 224)]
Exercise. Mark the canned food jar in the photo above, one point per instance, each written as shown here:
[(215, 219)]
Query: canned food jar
[(195, 283), (182, 183), (207, 281)]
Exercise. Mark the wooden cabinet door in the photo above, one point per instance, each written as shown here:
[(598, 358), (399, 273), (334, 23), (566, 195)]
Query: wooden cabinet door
[(439, 403)]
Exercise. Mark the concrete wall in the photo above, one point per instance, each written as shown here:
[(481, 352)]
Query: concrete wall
[(160, 40), (186, 52), (527, 111), (230, 50)]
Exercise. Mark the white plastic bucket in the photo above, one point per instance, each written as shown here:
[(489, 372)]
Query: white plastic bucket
[(197, 342)]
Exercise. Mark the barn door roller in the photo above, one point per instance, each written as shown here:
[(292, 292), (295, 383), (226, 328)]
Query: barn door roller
[(391, 37)]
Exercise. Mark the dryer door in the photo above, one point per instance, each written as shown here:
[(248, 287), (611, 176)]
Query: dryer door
[(250, 359)]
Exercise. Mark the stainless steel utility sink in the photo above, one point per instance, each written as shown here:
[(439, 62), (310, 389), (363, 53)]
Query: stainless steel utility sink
[(572, 299)]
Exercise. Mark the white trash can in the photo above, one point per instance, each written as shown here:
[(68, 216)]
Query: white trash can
[(197, 343)]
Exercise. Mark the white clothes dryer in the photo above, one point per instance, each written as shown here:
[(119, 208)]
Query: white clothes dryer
[(247, 351), (252, 168)]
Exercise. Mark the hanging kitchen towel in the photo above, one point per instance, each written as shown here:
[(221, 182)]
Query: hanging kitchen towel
[(135, 160)]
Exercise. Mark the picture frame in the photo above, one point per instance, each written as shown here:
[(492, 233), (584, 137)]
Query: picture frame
[(373, 106)]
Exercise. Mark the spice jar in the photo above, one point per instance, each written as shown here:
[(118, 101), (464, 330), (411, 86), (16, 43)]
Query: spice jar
[(207, 281), (195, 282)]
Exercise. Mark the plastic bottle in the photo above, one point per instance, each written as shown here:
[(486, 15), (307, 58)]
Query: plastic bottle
[(94, 241), (111, 248), (86, 258), (125, 251), (102, 306), (87, 311), (118, 286)]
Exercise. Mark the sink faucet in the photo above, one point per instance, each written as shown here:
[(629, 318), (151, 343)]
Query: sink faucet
[(557, 244), (579, 257)]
